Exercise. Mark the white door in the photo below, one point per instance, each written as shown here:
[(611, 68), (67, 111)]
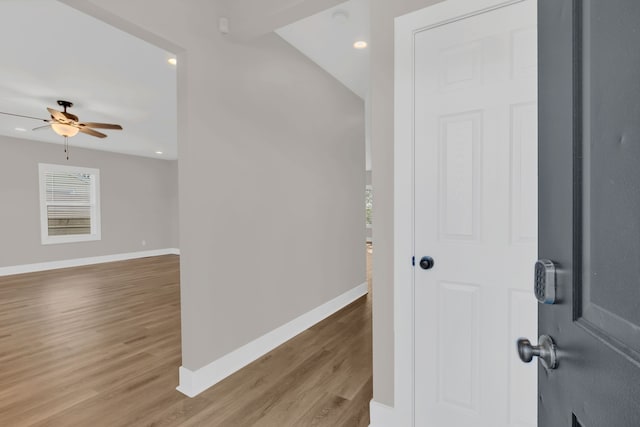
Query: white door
[(475, 198)]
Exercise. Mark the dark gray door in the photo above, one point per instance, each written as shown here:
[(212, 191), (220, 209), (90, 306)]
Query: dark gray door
[(589, 210)]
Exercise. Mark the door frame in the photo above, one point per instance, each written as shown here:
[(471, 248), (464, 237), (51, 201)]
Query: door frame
[(406, 28)]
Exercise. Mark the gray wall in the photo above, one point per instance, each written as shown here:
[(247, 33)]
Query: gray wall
[(382, 83), (369, 230), (138, 202), (271, 176)]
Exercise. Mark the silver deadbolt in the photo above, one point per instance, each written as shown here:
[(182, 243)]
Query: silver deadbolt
[(545, 351), (544, 285)]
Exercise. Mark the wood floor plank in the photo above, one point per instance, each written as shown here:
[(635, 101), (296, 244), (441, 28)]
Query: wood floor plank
[(325, 412), (100, 346)]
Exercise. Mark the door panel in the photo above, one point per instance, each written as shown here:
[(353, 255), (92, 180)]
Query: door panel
[(458, 350), (610, 136), (589, 217), (460, 146), (475, 181), (523, 173)]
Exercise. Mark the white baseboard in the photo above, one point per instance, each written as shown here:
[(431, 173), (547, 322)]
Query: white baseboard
[(380, 415), (78, 262), (193, 383)]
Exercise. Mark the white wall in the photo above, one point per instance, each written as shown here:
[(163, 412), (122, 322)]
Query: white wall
[(383, 14), (271, 176), (138, 202)]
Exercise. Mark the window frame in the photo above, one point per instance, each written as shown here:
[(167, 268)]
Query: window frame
[(46, 239)]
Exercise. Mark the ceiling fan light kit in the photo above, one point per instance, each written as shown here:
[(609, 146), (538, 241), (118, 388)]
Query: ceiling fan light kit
[(68, 125), (65, 130)]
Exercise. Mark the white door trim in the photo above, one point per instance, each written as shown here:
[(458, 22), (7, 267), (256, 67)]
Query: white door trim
[(406, 27)]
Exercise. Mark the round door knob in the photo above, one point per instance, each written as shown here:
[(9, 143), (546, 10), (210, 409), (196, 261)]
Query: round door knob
[(545, 351), (426, 263)]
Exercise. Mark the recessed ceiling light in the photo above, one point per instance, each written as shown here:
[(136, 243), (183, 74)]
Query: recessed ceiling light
[(159, 152), (172, 61), (360, 44), (21, 129)]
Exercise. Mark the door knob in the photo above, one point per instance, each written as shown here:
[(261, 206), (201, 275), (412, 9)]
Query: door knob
[(545, 351), (426, 263)]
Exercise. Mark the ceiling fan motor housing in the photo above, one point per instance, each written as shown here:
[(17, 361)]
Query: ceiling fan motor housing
[(65, 104)]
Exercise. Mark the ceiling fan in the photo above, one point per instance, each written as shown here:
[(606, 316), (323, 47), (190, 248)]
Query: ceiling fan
[(68, 125)]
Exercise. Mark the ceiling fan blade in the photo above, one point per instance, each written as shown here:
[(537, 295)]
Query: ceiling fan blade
[(42, 127), (70, 116), (100, 125), (58, 115), (92, 132), (26, 117)]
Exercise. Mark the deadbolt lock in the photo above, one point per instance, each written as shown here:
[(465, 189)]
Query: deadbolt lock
[(544, 286)]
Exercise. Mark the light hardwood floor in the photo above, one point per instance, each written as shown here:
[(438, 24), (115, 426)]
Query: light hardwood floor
[(100, 346)]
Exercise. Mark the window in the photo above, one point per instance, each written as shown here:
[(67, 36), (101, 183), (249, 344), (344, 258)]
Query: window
[(368, 202), (69, 204)]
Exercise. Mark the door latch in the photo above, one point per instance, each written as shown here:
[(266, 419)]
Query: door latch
[(545, 281)]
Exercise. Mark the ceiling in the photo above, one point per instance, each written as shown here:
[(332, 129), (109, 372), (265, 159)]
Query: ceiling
[(327, 38), (51, 51), (113, 77)]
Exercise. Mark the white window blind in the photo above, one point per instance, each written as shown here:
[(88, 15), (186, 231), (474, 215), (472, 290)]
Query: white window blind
[(69, 199)]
